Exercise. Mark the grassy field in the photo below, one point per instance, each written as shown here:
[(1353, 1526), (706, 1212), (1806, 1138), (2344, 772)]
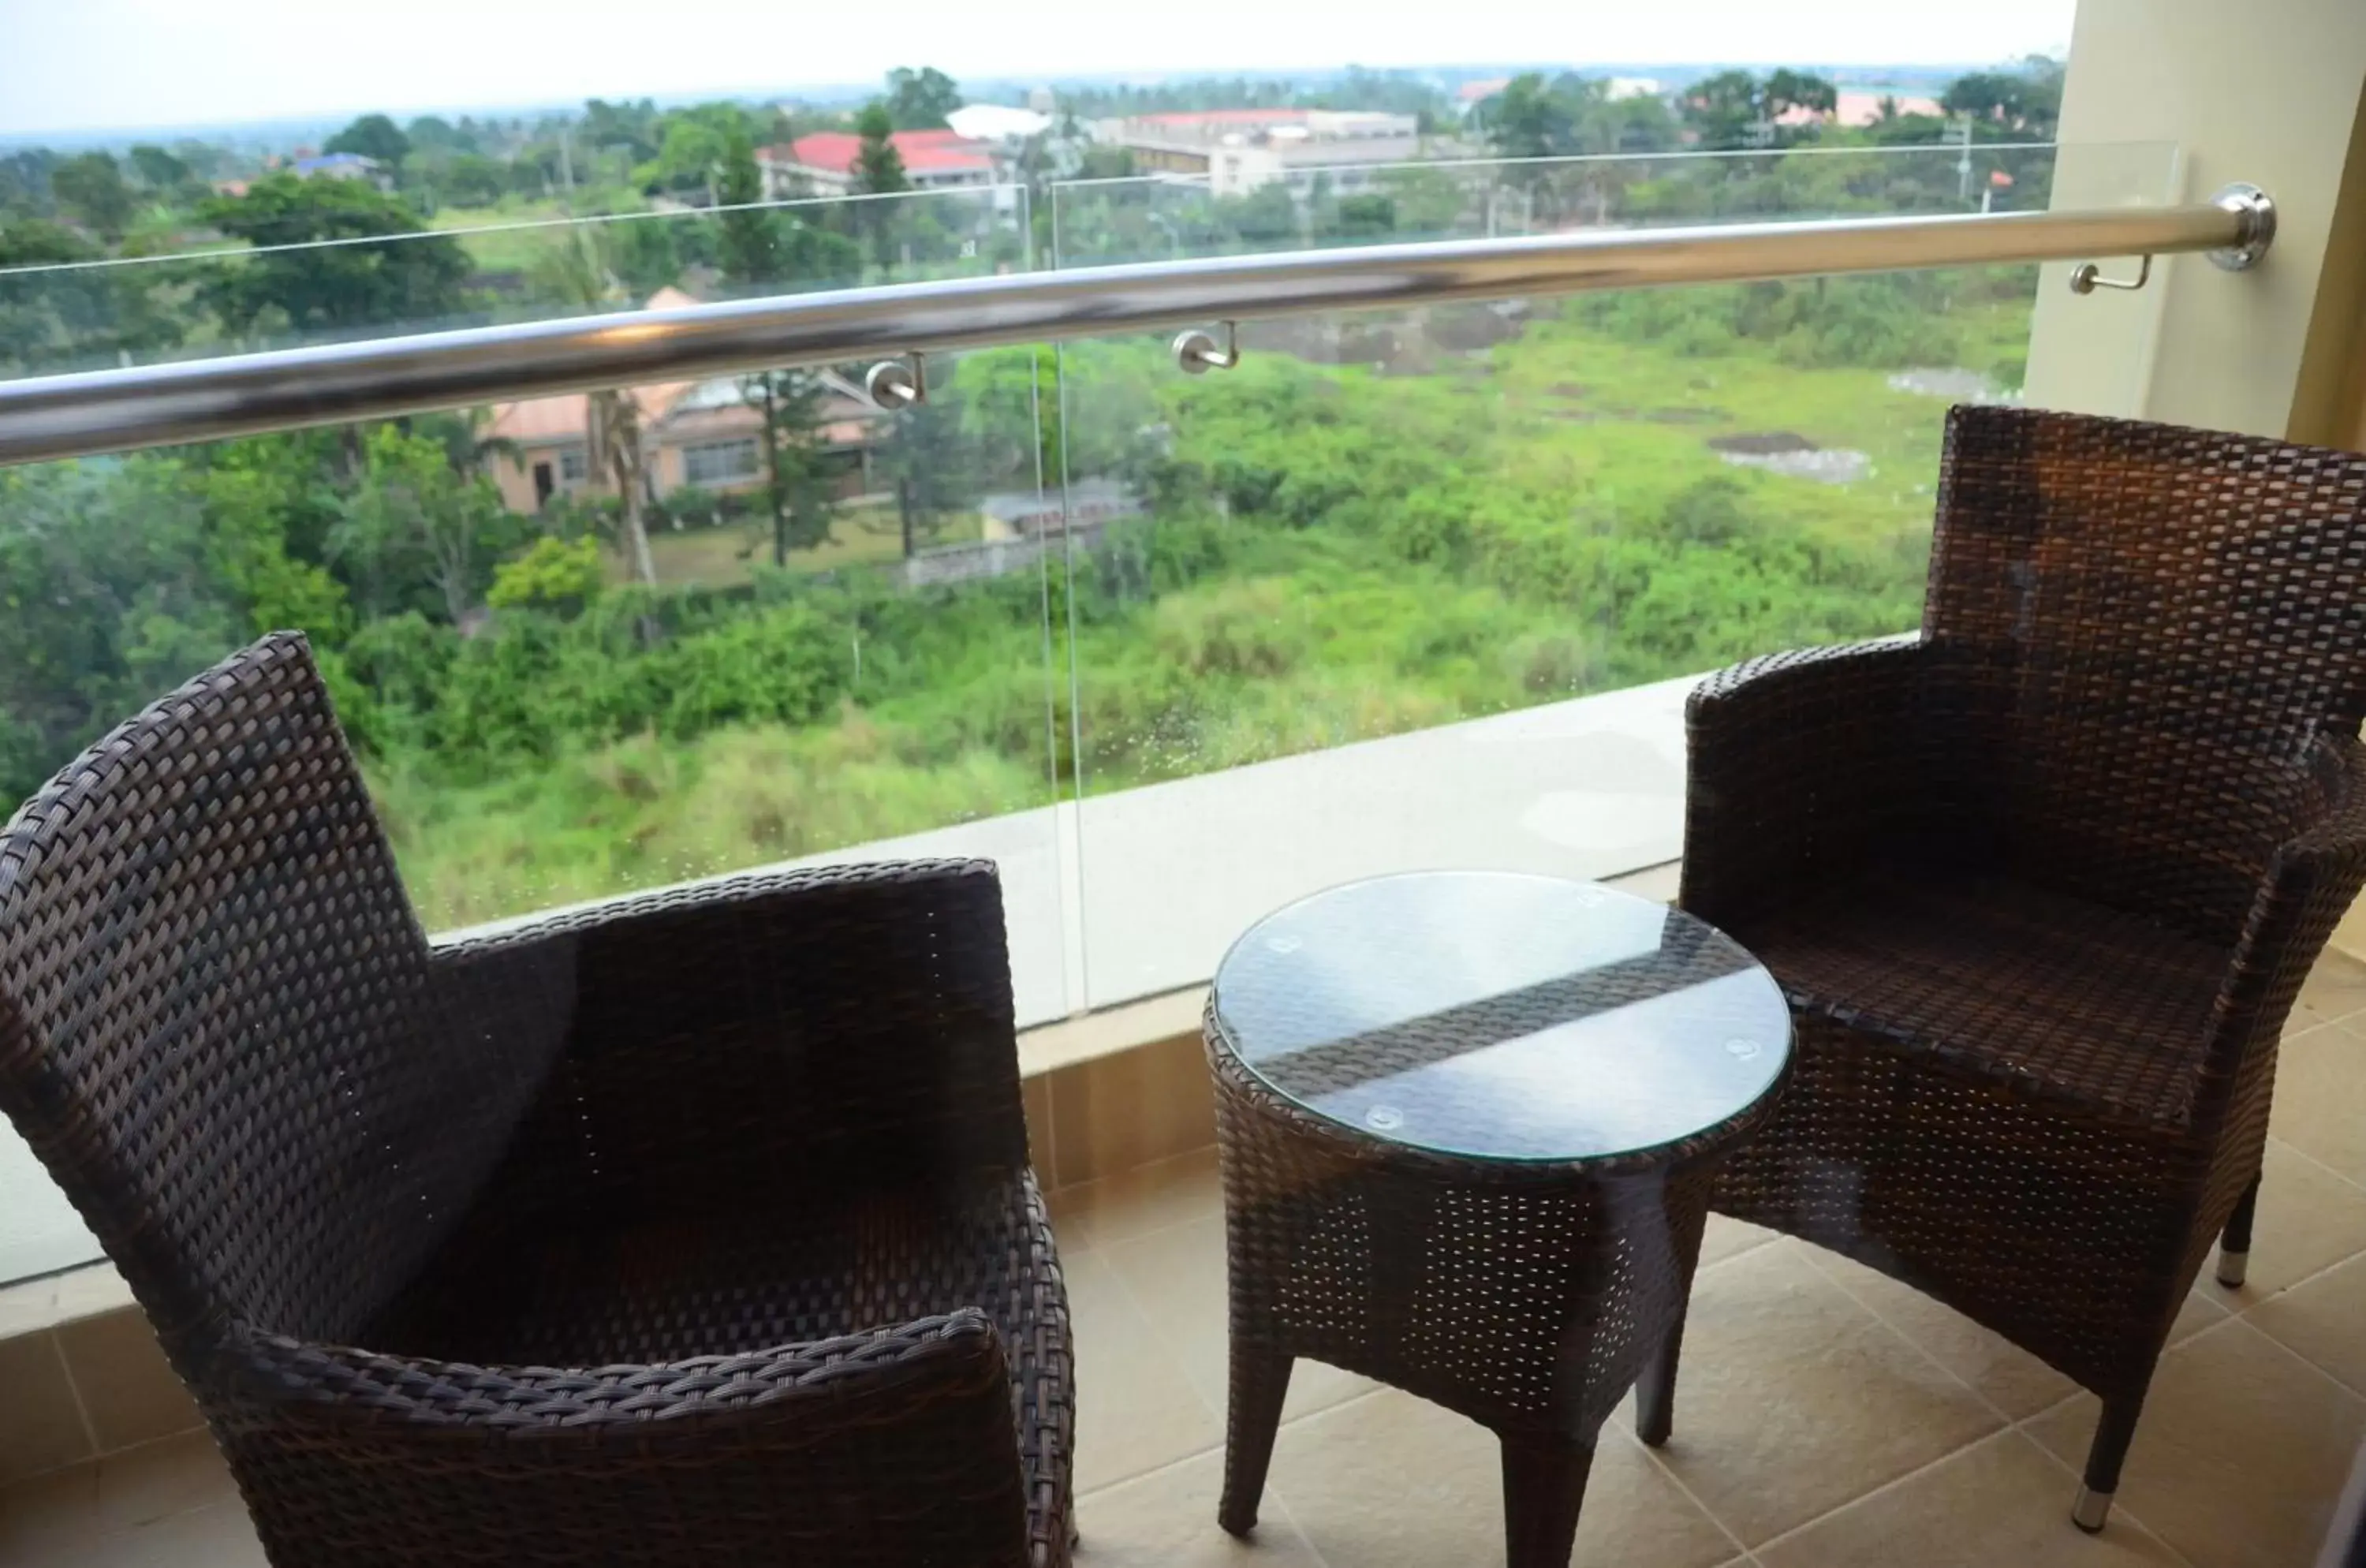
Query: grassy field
[(1306, 634), (727, 557), (503, 248)]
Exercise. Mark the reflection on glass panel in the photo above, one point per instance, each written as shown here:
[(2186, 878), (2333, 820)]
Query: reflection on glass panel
[(1428, 588), (290, 259), (1290, 197)]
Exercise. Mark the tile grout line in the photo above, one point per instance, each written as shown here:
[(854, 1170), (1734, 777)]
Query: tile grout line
[(1658, 1461), (2010, 1426), (74, 1391), (2308, 1158), (2289, 1354)]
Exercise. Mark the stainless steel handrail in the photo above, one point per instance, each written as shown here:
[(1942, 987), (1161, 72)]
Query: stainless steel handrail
[(113, 411)]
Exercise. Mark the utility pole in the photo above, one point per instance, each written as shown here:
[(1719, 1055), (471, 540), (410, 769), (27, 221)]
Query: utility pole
[(1964, 164)]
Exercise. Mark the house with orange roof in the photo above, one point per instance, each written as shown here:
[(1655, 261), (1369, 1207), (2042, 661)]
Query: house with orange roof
[(703, 434)]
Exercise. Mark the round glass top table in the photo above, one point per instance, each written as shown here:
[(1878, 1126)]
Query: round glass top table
[(1469, 1122), (1503, 1017)]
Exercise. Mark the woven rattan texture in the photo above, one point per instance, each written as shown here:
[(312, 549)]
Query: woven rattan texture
[(689, 1228), (2041, 884), (1526, 1295)]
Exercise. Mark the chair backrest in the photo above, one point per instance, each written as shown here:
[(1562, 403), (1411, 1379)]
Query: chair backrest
[(211, 990), (2144, 629)]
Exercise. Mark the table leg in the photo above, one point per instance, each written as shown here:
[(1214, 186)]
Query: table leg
[(1655, 1390), (1544, 1482), (1260, 1380)]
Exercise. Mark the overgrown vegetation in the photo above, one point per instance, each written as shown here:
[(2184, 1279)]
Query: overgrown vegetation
[(1371, 524)]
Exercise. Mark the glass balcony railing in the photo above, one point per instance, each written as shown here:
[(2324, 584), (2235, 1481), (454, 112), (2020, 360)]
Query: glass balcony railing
[(1402, 588)]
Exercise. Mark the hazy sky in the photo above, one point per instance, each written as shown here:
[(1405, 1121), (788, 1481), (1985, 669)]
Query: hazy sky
[(80, 64)]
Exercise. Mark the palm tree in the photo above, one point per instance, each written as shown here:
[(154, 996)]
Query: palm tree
[(578, 273)]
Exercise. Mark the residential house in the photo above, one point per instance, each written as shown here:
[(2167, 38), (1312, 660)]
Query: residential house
[(705, 434), (1238, 151)]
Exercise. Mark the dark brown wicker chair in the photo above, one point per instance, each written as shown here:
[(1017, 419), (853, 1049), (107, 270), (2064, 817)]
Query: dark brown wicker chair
[(2041, 883), (695, 1228)]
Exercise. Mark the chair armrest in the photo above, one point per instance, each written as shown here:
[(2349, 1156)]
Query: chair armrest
[(1795, 760), (759, 1028), (2311, 880), (893, 1446)]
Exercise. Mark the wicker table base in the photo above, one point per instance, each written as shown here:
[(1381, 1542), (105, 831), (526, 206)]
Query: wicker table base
[(1528, 1295)]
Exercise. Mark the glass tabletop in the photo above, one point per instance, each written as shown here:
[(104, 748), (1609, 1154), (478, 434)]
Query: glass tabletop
[(1498, 1016)]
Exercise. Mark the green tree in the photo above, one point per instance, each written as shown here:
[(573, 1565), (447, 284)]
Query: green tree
[(559, 575), (1725, 111), (433, 133), (411, 520), (1528, 119), (411, 279), (920, 100), (1789, 89), (159, 170), (878, 171), (71, 313), (373, 135), (91, 187), (756, 254)]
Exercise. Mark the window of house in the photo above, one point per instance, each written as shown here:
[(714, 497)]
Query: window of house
[(574, 466), (719, 462)]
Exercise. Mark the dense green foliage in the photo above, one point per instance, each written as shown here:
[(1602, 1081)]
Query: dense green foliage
[(1370, 525)]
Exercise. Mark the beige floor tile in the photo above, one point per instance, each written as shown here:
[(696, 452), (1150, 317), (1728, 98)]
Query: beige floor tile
[(2309, 1220), (1794, 1399), (1135, 1409), (156, 1481), (2241, 1453), (1167, 1519), (1730, 1238), (2325, 1320), (1392, 1479), (218, 1537), (2205, 1305), (129, 1390), (2336, 989), (2321, 1097), (1999, 1503), (2008, 1377), (43, 1428), (1136, 1201), (50, 1516), (1176, 1275)]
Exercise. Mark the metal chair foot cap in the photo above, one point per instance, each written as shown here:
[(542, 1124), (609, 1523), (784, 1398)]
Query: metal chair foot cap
[(2091, 1510), (2231, 1267)]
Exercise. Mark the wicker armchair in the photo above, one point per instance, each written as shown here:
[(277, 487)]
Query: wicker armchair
[(691, 1228), (2041, 883)]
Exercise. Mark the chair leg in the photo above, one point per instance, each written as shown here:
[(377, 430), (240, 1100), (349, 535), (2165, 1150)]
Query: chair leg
[(1544, 1484), (1260, 1380), (2112, 1434), (2235, 1243), (1655, 1390)]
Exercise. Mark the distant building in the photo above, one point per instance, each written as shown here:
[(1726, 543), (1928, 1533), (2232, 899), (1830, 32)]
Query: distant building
[(1856, 109), (824, 162), (694, 433), (1237, 150)]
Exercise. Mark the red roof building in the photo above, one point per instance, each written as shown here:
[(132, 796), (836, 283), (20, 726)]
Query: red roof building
[(824, 162)]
